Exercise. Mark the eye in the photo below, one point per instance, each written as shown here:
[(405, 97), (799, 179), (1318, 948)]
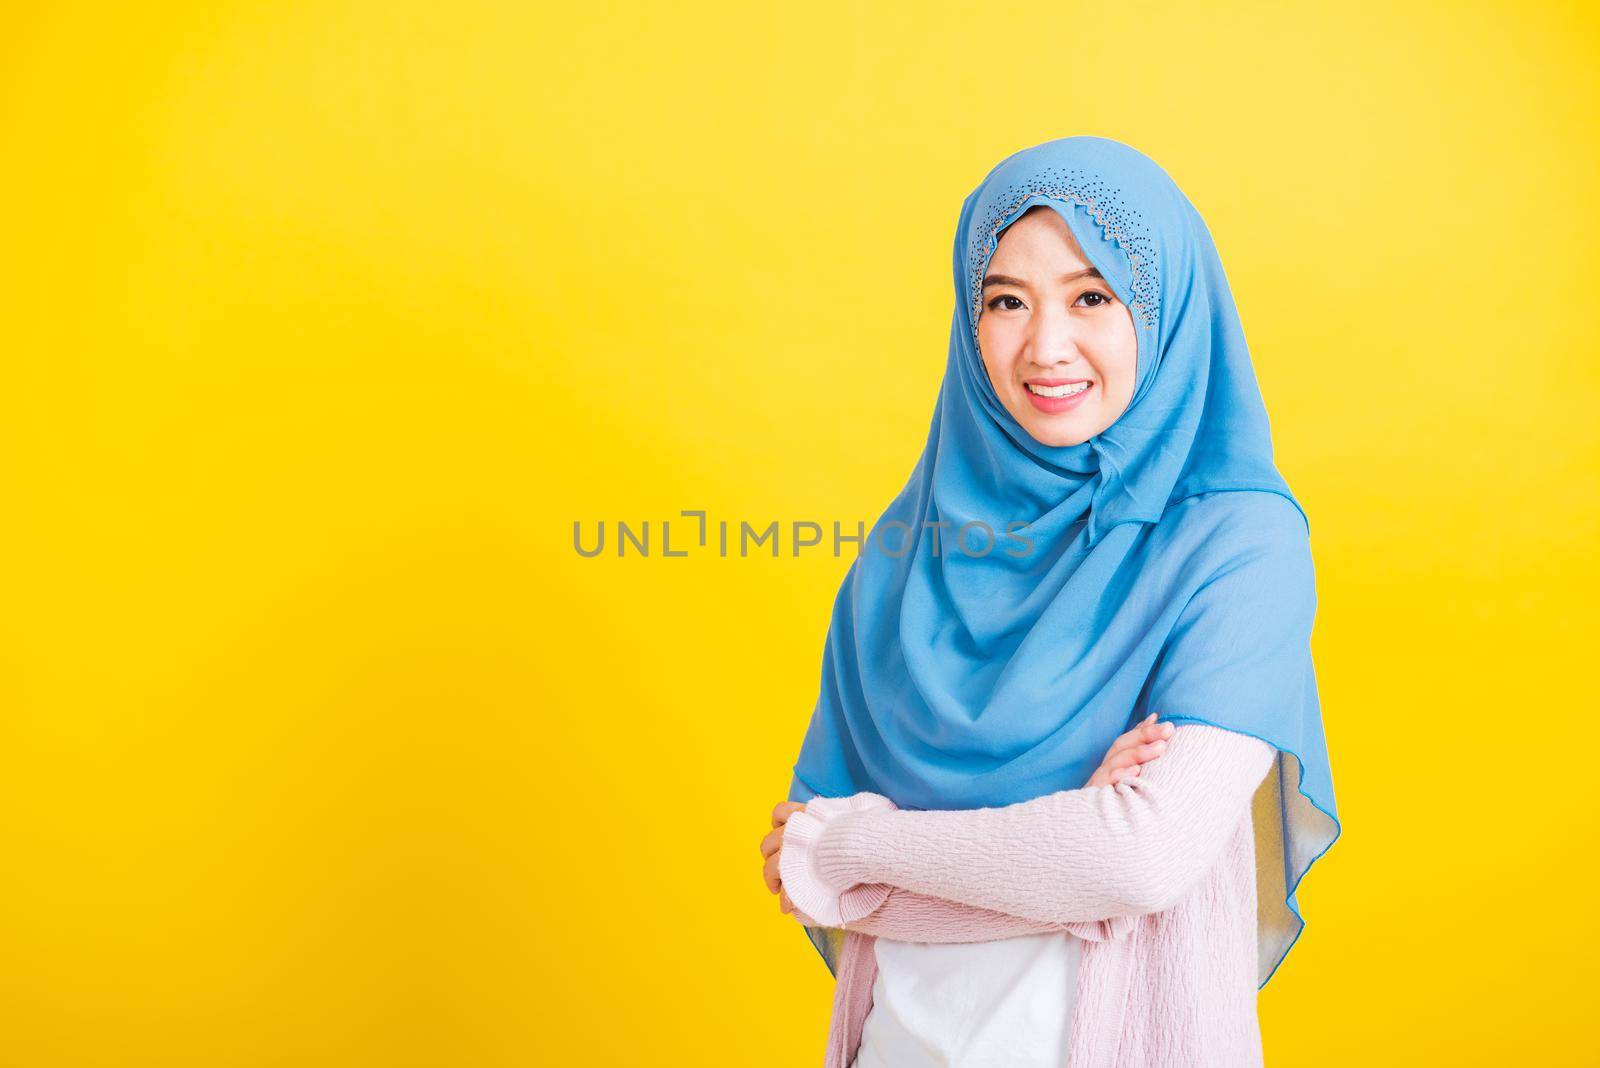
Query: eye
[(1101, 298), (994, 305)]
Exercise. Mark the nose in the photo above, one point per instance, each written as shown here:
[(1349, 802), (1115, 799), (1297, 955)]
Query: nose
[(1054, 336)]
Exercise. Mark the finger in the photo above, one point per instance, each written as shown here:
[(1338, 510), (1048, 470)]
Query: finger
[(1154, 730), (783, 810), (769, 875), (1121, 759), (1148, 730), (784, 903), (1126, 741), (1150, 750), (773, 842), (1139, 754), (1110, 764)]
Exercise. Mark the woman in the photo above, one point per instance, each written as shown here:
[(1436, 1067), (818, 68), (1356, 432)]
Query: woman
[(995, 867)]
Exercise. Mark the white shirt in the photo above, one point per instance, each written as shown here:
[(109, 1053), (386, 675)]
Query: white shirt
[(999, 1004)]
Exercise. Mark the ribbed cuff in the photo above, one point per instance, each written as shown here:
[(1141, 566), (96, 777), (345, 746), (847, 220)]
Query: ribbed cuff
[(837, 855), (818, 880)]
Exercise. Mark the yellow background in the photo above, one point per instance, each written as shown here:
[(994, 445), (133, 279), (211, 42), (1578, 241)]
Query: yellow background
[(323, 322)]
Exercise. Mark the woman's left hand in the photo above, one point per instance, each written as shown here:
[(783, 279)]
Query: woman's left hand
[(1133, 750), (772, 848)]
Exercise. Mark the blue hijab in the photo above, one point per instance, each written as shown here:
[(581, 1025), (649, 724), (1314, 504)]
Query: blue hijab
[(1168, 566)]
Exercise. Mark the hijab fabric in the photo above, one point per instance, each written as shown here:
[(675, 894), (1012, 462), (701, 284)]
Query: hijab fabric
[(1168, 565)]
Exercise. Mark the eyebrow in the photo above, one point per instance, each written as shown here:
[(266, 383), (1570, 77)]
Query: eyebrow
[(1007, 280)]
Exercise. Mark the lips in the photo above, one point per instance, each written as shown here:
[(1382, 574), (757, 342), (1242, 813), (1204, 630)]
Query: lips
[(1052, 390), (1052, 405)]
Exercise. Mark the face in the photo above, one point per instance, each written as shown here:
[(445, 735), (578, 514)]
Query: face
[(1059, 347)]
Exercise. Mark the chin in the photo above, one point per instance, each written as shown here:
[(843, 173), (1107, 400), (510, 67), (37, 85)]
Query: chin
[(1056, 436), (1063, 441)]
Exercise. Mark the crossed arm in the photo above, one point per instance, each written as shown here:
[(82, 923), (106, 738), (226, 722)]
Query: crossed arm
[(907, 916), (1079, 860)]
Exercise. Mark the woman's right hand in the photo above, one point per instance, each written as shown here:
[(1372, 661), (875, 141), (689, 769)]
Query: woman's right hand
[(1139, 746)]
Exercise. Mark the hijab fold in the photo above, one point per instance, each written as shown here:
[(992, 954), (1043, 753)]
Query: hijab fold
[(1169, 566)]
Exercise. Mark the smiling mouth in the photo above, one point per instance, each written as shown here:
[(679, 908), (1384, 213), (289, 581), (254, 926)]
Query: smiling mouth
[(1066, 389)]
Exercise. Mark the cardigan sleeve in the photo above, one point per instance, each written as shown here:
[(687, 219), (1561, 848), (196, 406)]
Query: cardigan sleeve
[(906, 916), (820, 903), (1071, 857), (885, 911)]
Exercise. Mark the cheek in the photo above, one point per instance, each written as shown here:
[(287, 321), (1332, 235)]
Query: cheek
[(995, 353), (1119, 359)]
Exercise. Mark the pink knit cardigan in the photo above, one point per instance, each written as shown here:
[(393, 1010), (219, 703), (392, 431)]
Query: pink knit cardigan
[(1157, 874)]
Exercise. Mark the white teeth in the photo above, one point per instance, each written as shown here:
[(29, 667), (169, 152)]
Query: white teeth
[(1057, 391)]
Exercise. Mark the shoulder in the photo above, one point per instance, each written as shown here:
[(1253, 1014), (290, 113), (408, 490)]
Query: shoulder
[(1248, 517), (1210, 535), (1246, 562)]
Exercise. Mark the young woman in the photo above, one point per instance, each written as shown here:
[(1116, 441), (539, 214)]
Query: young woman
[(1067, 766)]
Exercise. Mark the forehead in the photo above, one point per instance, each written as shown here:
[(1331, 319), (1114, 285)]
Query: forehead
[(1039, 229)]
